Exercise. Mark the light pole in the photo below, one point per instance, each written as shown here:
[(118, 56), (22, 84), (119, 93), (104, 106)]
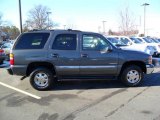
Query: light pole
[(99, 29), (103, 23), (20, 16), (145, 4), (64, 27), (48, 18)]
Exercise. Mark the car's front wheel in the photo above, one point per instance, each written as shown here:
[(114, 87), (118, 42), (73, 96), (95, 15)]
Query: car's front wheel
[(41, 79), (132, 75)]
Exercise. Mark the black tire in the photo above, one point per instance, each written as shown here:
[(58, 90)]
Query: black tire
[(37, 82), (135, 76)]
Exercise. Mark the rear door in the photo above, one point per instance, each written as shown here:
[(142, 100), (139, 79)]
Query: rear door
[(95, 60), (64, 53)]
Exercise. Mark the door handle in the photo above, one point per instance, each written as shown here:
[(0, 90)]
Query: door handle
[(84, 55), (55, 55)]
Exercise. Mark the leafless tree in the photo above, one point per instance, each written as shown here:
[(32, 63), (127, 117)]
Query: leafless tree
[(1, 21), (38, 18), (127, 21)]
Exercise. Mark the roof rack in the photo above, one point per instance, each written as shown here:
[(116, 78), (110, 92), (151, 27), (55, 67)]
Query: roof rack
[(74, 30)]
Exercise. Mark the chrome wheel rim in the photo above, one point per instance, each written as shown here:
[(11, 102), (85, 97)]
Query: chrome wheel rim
[(41, 79), (133, 76)]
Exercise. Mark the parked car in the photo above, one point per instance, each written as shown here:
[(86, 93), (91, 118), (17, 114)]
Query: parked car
[(2, 56), (149, 49), (115, 41), (133, 44), (150, 42), (50, 55), (7, 47)]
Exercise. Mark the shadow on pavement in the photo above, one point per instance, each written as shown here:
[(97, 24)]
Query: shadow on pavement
[(149, 80)]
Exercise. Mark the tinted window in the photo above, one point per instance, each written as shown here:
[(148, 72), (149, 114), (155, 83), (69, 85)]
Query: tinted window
[(125, 41), (91, 42), (65, 42), (32, 41), (135, 40), (115, 41)]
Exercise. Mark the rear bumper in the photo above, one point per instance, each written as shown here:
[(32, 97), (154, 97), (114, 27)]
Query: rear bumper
[(17, 70), (9, 70), (149, 68)]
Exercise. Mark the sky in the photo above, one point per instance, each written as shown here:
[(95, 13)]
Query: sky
[(87, 15)]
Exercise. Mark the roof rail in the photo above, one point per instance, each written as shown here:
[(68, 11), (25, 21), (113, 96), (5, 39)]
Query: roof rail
[(74, 30)]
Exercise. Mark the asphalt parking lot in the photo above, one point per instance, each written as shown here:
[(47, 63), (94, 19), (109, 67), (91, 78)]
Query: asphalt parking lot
[(80, 100)]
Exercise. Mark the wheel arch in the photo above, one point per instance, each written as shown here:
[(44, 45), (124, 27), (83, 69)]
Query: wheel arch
[(140, 64), (32, 66)]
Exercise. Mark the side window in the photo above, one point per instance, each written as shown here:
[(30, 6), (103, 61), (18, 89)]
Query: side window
[(65, 42), (32, 41), (95, 43)]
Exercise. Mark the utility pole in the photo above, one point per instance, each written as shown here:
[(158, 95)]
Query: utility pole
[(103, 23), (48, 18), (99, 29), (64, 27), (20, 16), (145, 4)]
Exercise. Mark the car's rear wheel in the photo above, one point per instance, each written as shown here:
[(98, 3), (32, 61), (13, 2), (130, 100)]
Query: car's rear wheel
[(132, 76), (41, 79)]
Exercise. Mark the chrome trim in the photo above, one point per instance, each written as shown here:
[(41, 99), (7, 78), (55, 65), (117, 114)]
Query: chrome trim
[(91, 67), (68, 67), (113, 63)]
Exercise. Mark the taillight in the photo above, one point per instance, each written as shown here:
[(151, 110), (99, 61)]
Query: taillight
[(11, 57), (1, 51)]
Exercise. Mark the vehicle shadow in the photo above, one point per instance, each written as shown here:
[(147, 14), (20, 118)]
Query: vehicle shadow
[(149, 80)]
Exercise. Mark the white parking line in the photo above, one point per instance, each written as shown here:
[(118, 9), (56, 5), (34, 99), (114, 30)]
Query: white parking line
[(21, 91)]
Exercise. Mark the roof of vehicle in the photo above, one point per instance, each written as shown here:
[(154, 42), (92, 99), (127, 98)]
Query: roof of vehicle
[(58, 30)]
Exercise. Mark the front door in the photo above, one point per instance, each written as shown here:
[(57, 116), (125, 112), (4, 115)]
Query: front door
[(95, 58)]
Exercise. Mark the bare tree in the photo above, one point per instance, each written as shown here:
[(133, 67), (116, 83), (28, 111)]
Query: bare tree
[(1, 21), (38, 18), (127, 22)]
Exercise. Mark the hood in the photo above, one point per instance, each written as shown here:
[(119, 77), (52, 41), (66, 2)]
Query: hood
[(137, 47)]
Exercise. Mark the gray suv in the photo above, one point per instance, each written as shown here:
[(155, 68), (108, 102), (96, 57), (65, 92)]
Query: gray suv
[(47, 56)]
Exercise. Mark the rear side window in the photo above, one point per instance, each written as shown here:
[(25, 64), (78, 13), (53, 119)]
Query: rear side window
[(32, 41), (65, 42)]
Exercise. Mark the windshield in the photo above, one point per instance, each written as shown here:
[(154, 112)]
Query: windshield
[(125, 41), (141, 40), (135, 40), (6, 45), (155, 40), (147, 40), (116, 42)]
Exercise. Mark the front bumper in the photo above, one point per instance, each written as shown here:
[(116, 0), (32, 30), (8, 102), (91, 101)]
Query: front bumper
[(149, 68)]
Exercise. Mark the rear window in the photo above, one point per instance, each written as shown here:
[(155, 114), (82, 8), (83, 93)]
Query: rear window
[(32, 41)]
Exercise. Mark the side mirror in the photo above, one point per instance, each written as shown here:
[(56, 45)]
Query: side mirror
[(107, 49), (110, 48)]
